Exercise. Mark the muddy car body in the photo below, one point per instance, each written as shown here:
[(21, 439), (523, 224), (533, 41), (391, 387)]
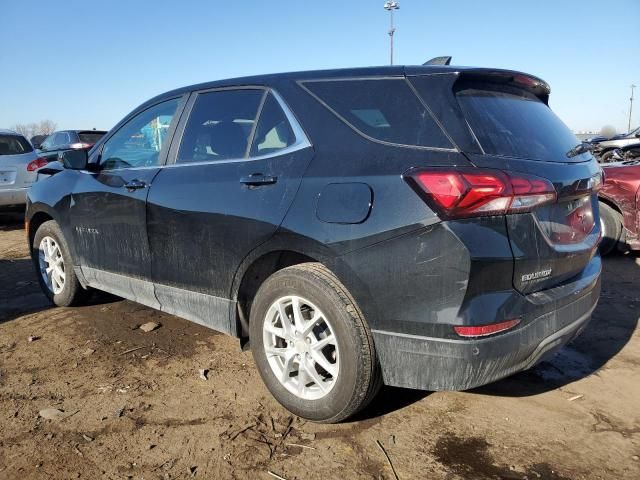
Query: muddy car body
[(358, 226), (620, 205)]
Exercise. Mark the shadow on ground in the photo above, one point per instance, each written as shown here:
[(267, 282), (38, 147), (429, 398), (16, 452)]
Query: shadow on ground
[(389, 400), (612, 325), (20, 292), (11, 220)]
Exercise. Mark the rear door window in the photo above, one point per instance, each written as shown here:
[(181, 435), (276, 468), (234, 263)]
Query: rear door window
[(14, 145), (273, 132), (510, 121), (220, 125), (384, 109)]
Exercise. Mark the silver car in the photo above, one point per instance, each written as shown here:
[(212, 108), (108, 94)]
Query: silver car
[(16, 175)]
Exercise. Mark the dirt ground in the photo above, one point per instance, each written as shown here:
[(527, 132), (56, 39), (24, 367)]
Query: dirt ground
[(135, 407)]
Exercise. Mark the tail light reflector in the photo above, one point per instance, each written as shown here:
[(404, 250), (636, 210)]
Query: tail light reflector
[(470, 192), (484, 330), (33, 165)]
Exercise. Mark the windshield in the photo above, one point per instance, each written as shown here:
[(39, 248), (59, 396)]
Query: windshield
[(14, 145), (510, 121)]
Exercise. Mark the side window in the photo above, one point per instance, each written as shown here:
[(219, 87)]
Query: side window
[(47, 143), (58, 139), (382, 109), (219, 125), (273, 132), (138, 143), (63, 139)]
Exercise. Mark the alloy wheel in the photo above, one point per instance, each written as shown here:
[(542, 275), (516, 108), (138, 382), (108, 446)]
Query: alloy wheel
[(51, 265), (301, 347)]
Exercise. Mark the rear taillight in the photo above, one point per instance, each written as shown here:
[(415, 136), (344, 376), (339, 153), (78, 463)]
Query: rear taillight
[(33, 165), (484, 330), (78, 146), (472, 192)]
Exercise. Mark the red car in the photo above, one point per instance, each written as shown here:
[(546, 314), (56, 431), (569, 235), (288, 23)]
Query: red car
[(620, 206)]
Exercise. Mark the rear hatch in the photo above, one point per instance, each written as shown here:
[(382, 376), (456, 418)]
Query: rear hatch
[(15, 153), (515, 131)]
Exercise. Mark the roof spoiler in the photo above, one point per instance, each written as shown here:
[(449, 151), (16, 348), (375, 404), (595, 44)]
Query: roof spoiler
[(438, 61), (535, 85)]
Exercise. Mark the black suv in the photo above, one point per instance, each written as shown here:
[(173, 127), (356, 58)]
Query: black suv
[(427, 227), (63, 140)]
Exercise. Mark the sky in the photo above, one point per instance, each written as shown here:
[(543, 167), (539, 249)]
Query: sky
[(87, 64)]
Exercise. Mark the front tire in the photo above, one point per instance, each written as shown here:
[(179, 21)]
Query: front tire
[(611, 226), (54, 266), (607, 157), (311, 344)]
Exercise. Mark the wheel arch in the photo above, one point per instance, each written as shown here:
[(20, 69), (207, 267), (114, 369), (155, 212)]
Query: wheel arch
[(610, 202), (36, 217), (252, 274), (281, 252)]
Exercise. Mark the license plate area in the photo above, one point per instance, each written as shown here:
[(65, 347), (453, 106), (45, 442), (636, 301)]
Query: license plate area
[(7, 177)]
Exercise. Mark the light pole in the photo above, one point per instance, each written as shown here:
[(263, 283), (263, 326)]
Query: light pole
[(630, 107), (391, 6)]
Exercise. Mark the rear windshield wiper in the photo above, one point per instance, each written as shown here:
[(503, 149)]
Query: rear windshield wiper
[(580, 148)]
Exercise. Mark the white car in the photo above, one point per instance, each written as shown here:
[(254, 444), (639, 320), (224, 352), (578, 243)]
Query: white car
[(18, 164)]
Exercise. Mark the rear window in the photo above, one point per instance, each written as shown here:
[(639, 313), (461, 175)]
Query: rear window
[(90, 137), (381, 109), (14, 145), (510, 121)]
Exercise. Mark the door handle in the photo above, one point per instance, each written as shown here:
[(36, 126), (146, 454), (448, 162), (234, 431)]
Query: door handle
[(135, 185), (257, 179)]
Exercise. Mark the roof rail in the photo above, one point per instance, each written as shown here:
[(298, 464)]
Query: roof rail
[(438, 61)]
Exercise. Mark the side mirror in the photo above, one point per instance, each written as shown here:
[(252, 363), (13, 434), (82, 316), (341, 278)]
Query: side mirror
[(637, 135), (74, 159)]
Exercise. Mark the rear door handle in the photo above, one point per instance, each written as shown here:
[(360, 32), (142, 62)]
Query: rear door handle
[(257, 179), (135, 185)]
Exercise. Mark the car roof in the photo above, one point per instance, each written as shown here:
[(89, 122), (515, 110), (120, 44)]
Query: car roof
[(81, 131), (395, 70), (6, 131)]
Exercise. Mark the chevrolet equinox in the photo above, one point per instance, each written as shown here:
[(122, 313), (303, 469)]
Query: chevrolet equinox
[(428, 227)]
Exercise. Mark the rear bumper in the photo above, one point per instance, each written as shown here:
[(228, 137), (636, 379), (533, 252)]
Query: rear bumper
[(428, 363), (13, 196)]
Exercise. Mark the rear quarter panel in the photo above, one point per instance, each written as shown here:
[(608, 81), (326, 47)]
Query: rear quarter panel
[(400, 236)]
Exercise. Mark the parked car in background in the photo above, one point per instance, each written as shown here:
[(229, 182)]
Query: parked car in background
[(629, 152), (428, 227), (17, 171), (64, 140), (604, 147), (620, 206), (37, 140)]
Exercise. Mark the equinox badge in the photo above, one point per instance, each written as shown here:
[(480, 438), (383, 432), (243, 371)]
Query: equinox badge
[(536, 275)]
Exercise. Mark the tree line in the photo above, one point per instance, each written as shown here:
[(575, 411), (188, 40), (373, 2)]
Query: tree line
[(43, 127)]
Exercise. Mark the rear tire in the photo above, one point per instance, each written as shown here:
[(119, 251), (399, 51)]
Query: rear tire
[(54, 266), (319, 361), (606, 157), (611, 225)]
